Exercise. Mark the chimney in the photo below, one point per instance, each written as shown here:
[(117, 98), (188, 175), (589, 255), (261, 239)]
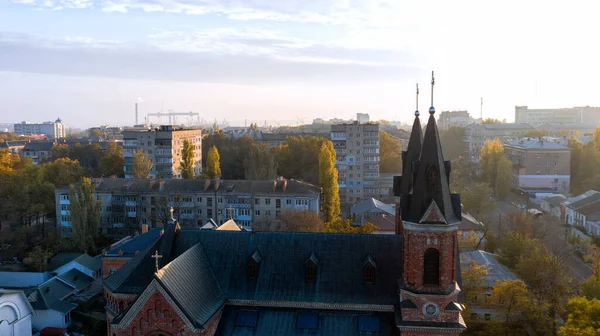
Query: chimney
[(144, 228), (206, 184), (136, 114), (285, 182)]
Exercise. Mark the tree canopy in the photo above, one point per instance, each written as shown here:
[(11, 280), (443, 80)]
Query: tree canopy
[(85, 214), (141, 164), (452, 141), (491, 121), (213, 163), (495, 168), (187, 160), (112, 162), (390, 153), (328, 181), (260, 164)]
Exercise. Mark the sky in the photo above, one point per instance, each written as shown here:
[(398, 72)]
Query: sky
[(289, 61)]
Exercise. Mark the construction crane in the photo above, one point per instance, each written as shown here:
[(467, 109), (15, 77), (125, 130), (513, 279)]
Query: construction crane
[(173, 114)]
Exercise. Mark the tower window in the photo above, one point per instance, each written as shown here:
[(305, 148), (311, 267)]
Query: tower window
[(369, 269), (431, 267), (310, 268), (432, 176)]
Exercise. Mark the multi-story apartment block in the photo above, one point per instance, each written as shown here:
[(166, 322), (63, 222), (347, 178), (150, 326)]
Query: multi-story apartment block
[(13, 146), (128, 204), (163, 147), (106, 130), (357, 160), (477, 134), (53, 130), (448, 119), (585, 114), (539, 165), (38, 151)]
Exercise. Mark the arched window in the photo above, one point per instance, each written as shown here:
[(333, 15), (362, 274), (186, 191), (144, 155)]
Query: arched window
[(431, 267), (310, 268)]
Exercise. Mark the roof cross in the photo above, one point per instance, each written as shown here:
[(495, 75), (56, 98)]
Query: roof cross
[(156, 255), (230, 211), (171, 211)]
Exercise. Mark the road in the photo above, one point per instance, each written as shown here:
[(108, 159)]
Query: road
[(578, 268)]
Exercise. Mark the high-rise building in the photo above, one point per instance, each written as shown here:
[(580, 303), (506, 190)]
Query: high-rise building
[(534, 117), (448, 119), (51, 129), (163, 146), (357, 160)]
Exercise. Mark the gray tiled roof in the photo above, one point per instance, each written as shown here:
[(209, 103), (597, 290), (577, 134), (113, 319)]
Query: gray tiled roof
[(496, 271), (580, 203), (92, 263), (369, 204), (52, 292), (61, 259), (77, 278), (42, 145), (556, 200), (138, 243), (536, 143)]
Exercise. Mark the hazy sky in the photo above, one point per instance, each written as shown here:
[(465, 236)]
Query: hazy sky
[(89, 61)]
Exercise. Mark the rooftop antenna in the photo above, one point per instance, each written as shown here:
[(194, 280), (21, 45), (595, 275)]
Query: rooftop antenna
[(417, 110), (432, 109)]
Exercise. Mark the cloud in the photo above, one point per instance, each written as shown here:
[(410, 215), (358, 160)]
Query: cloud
[(215, 55)]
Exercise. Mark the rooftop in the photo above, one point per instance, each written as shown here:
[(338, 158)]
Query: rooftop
[(582, 200), (61, 259), (556, 200), (135, 244), (537, 143), (502, 126), (369, 204), (496, 271)]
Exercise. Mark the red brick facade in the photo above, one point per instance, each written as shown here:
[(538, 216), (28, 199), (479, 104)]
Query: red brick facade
[(157, 316), (111, 265)]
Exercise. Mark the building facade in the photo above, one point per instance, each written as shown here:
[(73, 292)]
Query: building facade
[(448, 119), (53, 130), (128, 204), (584, 114), (477, 134), (539, 165), (38, 151), (357, 160), (163, 147), (15, 313)]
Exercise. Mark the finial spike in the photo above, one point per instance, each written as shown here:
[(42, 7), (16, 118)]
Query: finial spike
[(417, 110), (171, 211), (432, 109)]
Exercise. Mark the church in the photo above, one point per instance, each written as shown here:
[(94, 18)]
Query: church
[(210, 282)]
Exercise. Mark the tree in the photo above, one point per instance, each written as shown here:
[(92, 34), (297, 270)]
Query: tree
[(489, 157), (232, 152), (590, 287), (477, 200), (491, 121), (452, 141), (141, 164), (596, 137), (298, 158), (503, 177), (59, 151), (514, 298), (213, 163), (461, 175), (345, 226), (62, 172), (85, 214), (112, 162), (583, 318), (390, 153), (472, 280), (260, 164), (328, 181), (293, 220), (536, 133), (187, 160), (37, 260), (576, 157)]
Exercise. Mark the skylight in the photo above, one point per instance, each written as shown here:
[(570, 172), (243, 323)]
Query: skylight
[(307, 320), (247, 318), (368, 323)]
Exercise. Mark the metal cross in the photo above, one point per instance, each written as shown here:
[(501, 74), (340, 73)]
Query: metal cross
[(230, 210), (156, 256)]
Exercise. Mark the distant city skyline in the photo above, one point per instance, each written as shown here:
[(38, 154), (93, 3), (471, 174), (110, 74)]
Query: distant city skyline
[(89, 61)]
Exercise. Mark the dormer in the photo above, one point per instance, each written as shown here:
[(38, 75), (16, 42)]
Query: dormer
[(310, 268), (253, 266), (369, 267)]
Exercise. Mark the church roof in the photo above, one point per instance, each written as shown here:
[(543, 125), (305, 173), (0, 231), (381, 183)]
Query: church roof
[(411, 156), (230, 225)]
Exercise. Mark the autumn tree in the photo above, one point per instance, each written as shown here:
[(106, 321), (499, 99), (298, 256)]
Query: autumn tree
[(477, 200), (452, 141), (461, 175), (472, 281), (596, 137), (112, 162), (503, 177), (583, 318), (213, 163), (390, 153), (261, 164), (62, 172), (85, 214), (345, 226), (328, 181), (187, 160), (590, 287), (59, 151), (576, 157), (491, 121), (141, 164), (494, 169), (293, 220), (536, 133), (514, 302)]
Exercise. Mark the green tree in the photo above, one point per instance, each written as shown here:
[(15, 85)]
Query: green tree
[(261, 164), (62, 172), (503, 177), (85, 214), (390, 153), (491, 121), (233, 153), (59, 151), (187, 160), (37, 260), (112, 162), (141, 164), (576, 157), (452, 141), (328, 181), (477, 200), (491, 154), (213, 163), (583, 319), (298, 158)]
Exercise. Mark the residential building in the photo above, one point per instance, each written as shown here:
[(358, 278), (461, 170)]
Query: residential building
[(276, 139), (585, 214), (483, 308), (584, 114), (163, 146), (13, 146), (364, 210), (477, 134), (539, 165), (51, 129), (357, 160), (567, 129), (127, 204), (15, 313), (111, 132), (38, 151), (573, 204), (554, 205), (199, 282), (448, 119)]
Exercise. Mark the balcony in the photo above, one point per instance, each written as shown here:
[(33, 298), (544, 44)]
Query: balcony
[(131, 214), (337, 136)]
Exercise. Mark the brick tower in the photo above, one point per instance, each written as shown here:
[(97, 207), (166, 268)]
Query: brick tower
[(427, 218)]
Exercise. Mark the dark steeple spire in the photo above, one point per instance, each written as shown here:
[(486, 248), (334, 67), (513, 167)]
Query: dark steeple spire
[(431, 201), (411, 155)]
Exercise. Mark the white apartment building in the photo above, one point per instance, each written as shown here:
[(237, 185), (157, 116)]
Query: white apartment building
[(534, 117), (448, 119), (53, 130)]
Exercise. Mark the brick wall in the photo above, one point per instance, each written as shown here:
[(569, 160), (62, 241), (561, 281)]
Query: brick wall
[(158, 316), (113, 264)]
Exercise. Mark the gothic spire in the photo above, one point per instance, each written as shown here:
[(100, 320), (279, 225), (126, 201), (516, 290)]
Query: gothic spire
[(411, 155)]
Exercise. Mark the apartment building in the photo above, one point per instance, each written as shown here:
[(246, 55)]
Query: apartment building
[(584, 114), (128, 204), (539, 165), (357, 160), (53, 130), (163, 146), (448, 119), (38, 151), (477, 134)]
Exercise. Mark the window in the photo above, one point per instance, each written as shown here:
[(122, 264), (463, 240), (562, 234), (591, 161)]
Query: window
[(209, 213), (268, 213), (288, 201), (199, 211), (267, 201), (209, 201), (310, 268), (257, 201), (277, 214), (369, 269), (247, 318), (473, 298), (278, 203), (220, 199), (199, 199), (67, 317), (474, 316), (307, 320), (431, 267), (368, 323), (256, 212)]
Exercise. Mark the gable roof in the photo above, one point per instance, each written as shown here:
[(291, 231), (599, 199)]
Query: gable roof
[(62, 258), (496, 271), (555, 200), (78, 279), (89, 262), (586, 200), (369, 204), (536, 143), (230, 225), (49, 296), (23, 279), (135, 244)]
